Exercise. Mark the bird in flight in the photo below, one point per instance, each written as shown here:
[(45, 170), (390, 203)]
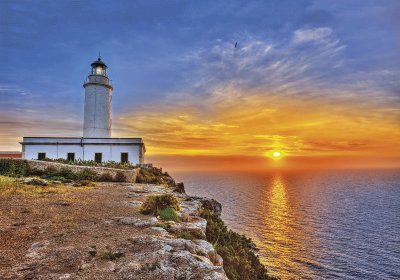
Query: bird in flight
[(235, 45)]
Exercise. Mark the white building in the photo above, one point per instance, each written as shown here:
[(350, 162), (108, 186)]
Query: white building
[(96, 143)]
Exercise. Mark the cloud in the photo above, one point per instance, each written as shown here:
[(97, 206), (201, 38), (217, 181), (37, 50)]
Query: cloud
[(268, 94), (317, 35)]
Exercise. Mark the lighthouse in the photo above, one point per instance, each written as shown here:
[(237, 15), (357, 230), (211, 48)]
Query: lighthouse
[(98, 98), (96, 143)]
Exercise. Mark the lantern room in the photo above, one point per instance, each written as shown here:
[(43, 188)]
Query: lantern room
[(99, 68)]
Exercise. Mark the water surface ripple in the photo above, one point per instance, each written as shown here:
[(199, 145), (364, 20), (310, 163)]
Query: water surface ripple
[(315, 224)]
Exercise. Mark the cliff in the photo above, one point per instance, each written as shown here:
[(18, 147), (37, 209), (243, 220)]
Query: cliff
[(60, 231)]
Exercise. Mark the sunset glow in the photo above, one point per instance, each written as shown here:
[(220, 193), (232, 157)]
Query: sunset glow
[(319, 95)]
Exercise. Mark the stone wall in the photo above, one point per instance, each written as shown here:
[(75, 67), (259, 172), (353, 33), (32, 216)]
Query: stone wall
[(42, 165)]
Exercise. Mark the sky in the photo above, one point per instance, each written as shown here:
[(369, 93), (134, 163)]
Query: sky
[(317, 81)]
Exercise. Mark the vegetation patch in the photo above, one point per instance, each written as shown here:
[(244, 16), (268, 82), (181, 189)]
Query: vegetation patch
[(110, 164), (106, 177), (11, 186), (155, 203), (169, 214), (154, 175), (14, 168), (167, 227), (237, 251), (151, 175), (110, 255), (185, 234), (120, 177)]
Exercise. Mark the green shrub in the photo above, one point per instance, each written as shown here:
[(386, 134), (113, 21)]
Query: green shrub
[(86, 174), (120, 177), (151, 175), (14, 168), (168, 214), (238, 251), (108, 255), (186, 235), (153, 204), (106, 177)]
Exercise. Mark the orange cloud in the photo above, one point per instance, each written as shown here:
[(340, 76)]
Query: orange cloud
[(255, 123)]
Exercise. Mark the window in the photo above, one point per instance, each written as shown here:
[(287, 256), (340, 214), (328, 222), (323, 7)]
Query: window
[(124, 157), (98, 157), (41, 156), (71, 156)]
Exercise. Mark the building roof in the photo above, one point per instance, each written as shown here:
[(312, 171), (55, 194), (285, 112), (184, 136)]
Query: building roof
[(81, 141)]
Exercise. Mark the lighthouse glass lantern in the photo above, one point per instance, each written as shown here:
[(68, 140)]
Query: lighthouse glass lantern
[(99, 68)]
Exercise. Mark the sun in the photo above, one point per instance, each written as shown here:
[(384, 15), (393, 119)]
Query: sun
[(276, 154)]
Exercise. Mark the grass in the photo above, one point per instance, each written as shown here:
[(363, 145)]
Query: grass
[(168, 214), (167, 227), (11, 186), (8, 185), (155, 203)]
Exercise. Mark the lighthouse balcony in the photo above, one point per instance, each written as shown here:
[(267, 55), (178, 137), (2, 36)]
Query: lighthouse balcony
[(98, 80)]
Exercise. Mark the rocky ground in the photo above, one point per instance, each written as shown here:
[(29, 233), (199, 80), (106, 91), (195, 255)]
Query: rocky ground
[(99, 233)]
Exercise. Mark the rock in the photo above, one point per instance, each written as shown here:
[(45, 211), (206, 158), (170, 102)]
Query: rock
[(34, 251), (65, 276), (159, 231), (164, 258), (118, 254), (212, 205), (185, 217), (137, 222), (134, 203), (197, 227), (210, 252), (92, 251)]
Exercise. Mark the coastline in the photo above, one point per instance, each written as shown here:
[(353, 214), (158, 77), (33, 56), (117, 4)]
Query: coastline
[(98, 232)]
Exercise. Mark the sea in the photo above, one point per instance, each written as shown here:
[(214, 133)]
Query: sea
[(336, 224)]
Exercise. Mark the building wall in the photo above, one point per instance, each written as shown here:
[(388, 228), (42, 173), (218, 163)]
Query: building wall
[(87, 152), (8, 154)]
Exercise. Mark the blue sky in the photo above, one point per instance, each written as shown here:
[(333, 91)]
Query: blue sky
[(169, 57)]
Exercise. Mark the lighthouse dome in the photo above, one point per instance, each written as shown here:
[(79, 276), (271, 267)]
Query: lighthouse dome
[(98, 62)]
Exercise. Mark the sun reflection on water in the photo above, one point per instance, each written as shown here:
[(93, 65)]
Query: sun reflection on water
[(282, 240)]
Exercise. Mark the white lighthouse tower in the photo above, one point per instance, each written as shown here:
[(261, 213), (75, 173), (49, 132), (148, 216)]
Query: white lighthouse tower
[(98, 98), (96, 143)]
